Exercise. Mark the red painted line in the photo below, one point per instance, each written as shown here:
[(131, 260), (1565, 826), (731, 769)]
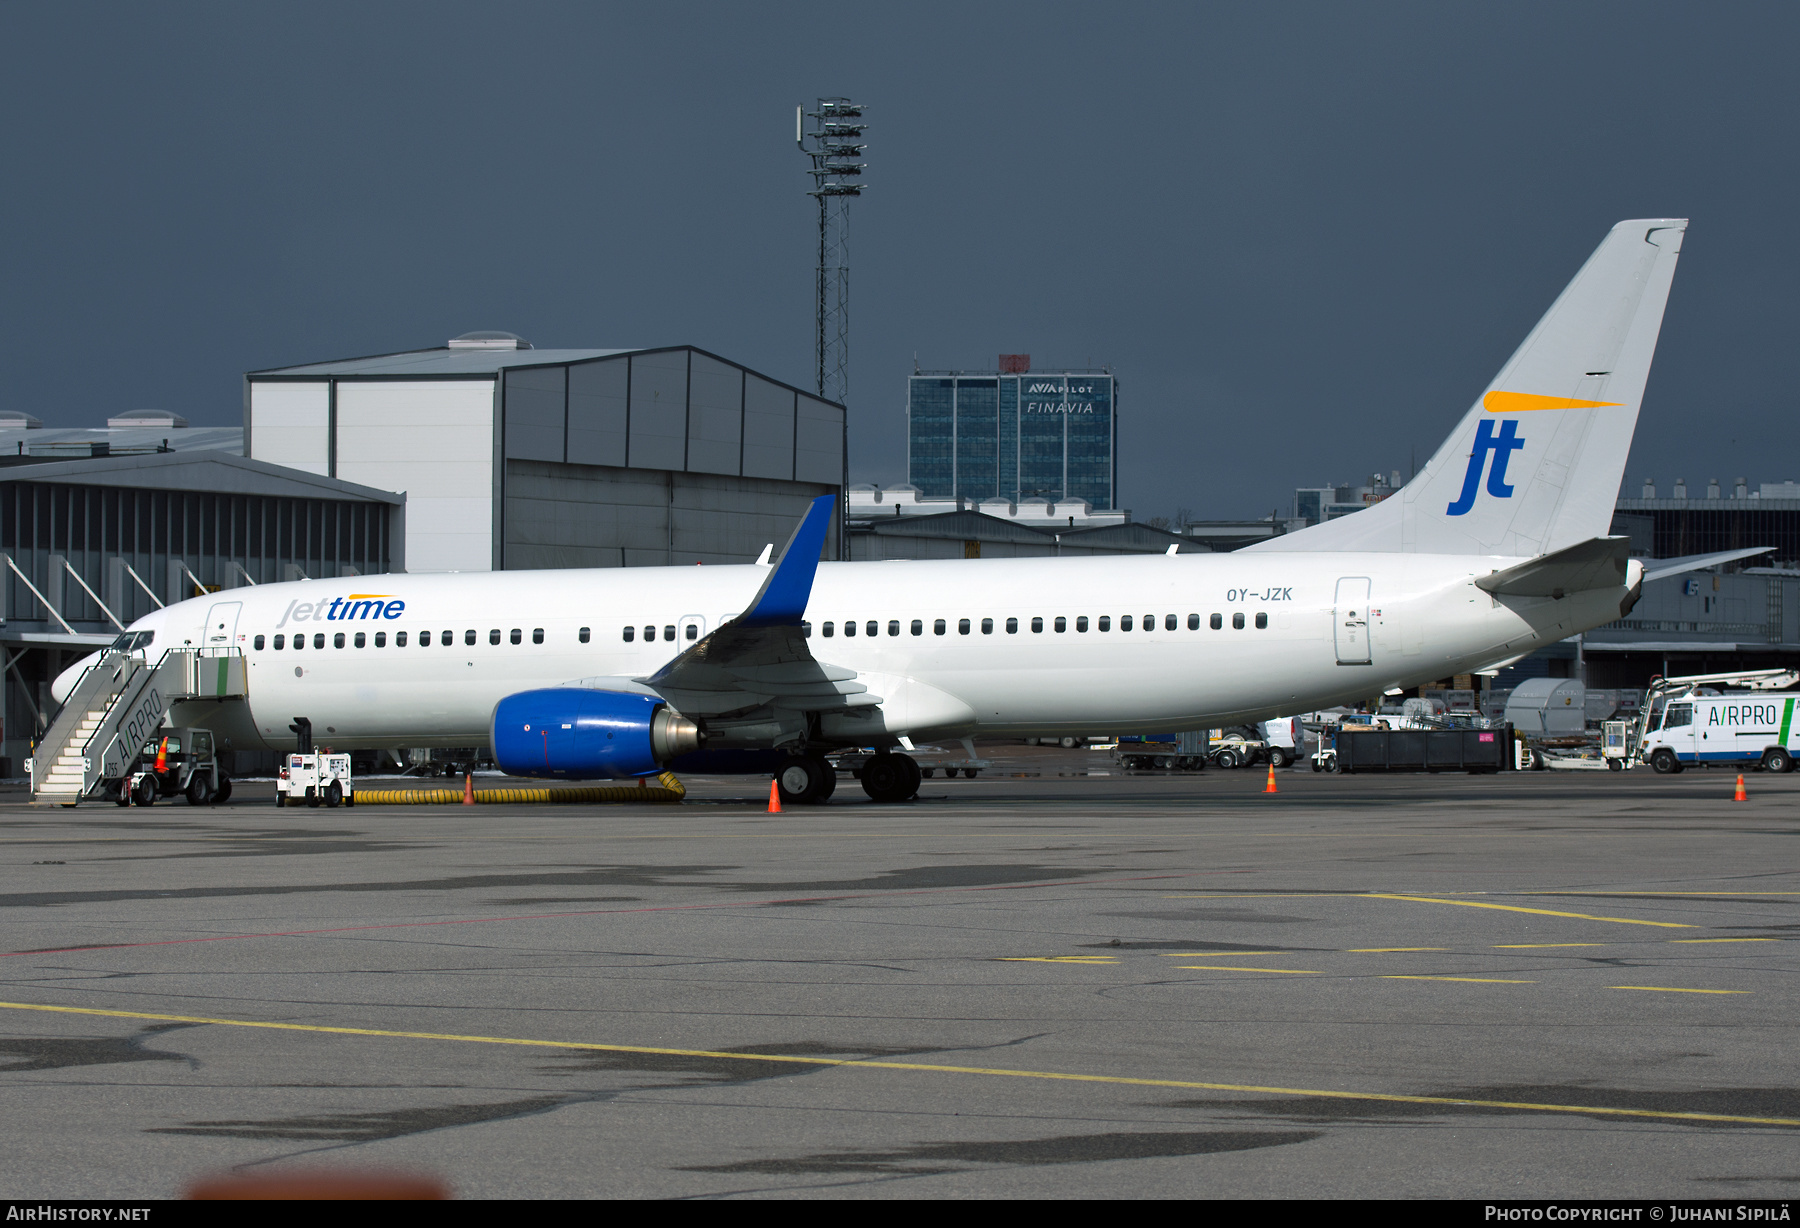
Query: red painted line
[(602, 912)]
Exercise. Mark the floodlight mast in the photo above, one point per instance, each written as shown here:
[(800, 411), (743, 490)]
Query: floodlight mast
[(833, 150)]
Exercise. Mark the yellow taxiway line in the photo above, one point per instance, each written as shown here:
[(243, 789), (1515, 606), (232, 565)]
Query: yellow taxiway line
[(921, 1067)]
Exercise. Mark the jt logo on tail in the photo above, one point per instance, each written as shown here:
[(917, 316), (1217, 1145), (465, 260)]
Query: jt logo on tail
[(1502, 446)]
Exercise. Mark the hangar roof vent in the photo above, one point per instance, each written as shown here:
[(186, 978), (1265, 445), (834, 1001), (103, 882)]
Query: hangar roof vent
[(149, 417), (15, 420), (489, 340)]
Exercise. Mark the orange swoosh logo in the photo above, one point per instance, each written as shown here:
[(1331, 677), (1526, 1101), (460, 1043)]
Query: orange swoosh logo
[(366, 596), (1525, 402)]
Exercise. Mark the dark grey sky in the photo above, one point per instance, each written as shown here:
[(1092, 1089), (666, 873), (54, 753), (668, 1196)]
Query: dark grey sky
[(1304, 235)]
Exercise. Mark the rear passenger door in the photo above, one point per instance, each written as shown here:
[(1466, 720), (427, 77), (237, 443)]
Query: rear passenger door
[(1351, 620)]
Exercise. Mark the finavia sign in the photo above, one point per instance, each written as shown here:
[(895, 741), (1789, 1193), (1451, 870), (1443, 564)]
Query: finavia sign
[(344, 609)]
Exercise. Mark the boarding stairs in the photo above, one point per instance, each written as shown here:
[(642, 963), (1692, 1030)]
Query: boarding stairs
[(114, 709)]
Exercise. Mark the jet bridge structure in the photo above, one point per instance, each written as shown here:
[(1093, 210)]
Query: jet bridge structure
[(116, 708)]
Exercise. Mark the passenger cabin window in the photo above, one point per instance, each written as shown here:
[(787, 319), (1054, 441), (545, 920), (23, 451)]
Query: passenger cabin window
[(693, 630), (1124, 622), (1216, 622), (1679, 714), (874, 628), (1237, 622), (894, 626), (649, 634), (1106, 622), (257, 643), (1062, 624), (424, 639), (1193, 622), (1169, 622), (1081, 623), (849, 627), (448, 638), (399, 639), (381, 639), (630, 634), (494, 636), (518, 636), (337, 641), (939, 627), (1012, 626), (362, 640), (1037, 625), (669, 632), (537, 635), (1149, 622), (962, 626), (586, 633), (280, 642), (319, 640), (1262, 622), (805, 630), (987, 626), (469, 638), (828, 629)]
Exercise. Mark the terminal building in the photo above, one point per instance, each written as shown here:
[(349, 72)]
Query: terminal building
[(1014, 434), (515, 458)]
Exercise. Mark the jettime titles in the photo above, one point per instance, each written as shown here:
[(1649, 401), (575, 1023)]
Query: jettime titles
[(344, 609)]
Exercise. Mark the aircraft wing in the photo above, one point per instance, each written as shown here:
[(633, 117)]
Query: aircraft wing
[(762, 656), (1598, 562)]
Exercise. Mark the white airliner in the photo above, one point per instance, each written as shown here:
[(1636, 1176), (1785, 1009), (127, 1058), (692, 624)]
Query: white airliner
[(1498, 546)]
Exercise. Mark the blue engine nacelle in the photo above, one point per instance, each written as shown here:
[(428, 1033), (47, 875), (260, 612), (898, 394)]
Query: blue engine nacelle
[(575, 734)]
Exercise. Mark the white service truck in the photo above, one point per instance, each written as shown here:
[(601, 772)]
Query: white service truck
[(1745, 728)]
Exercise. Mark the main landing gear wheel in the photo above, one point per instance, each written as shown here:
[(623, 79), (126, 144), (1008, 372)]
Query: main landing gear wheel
[(1665, 762), (891, 778), (805, 780)]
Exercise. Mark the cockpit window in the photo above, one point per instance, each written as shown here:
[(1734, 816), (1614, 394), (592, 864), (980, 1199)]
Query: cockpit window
[(133, 641)]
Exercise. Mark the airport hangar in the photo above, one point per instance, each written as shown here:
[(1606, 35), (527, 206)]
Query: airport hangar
[(515, 458)]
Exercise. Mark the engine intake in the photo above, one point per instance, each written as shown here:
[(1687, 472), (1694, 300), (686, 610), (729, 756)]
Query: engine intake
[(572, 733)]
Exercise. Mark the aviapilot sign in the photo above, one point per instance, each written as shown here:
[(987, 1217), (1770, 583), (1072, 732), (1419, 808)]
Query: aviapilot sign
[(1064, 396)]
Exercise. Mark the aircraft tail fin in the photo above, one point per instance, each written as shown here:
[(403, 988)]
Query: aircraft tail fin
[(1535, 465)]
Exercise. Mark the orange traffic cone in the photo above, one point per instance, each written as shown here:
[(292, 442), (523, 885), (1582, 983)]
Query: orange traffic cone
[(1270, 787), (774, 797), (469, 789), (1740, 795)]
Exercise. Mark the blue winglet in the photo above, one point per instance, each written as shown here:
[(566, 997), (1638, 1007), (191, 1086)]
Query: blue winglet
[(781, 601)]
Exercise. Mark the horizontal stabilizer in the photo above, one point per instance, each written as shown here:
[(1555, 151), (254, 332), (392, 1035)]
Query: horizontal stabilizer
[(1657, 569), (1598, 562)]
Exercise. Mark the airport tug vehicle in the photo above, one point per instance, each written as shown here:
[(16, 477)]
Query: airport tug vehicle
[(174, 763)]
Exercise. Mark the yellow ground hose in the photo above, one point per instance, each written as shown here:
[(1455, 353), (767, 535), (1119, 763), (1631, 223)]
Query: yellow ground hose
[(665, 789)]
